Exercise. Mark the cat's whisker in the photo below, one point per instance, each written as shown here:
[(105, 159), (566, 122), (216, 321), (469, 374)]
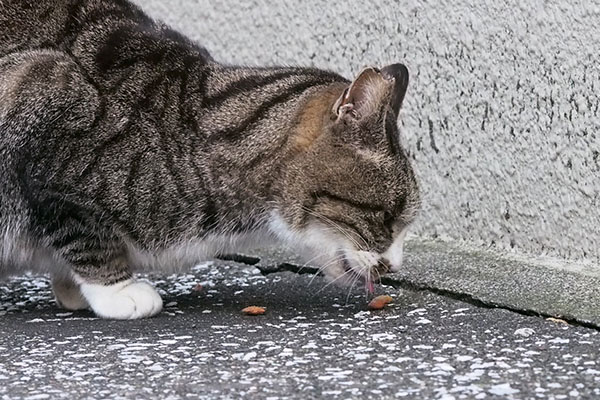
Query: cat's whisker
[(308, 262), (343, 232), (350, 271), (324, 267), (367, 276), (354, 281), (337, 228), (378, 276)]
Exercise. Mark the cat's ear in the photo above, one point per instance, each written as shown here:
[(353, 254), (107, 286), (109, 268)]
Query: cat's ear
[(372, 90), (398, 74), (361, 98)]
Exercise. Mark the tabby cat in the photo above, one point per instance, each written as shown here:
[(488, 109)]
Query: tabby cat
[(124, 146)]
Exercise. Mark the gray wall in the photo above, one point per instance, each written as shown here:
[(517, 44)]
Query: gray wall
[(502, 116)]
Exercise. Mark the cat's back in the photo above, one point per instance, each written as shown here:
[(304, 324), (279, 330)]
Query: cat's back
[(29, 25), (74, 25)]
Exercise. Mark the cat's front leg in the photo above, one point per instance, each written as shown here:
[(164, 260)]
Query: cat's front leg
[(106, 284)]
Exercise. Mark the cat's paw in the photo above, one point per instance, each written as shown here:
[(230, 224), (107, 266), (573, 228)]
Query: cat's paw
[(67, 294), (124, 300)]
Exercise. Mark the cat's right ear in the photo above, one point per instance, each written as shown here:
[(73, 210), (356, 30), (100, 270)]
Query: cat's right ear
[(363, 96), (372, 92)]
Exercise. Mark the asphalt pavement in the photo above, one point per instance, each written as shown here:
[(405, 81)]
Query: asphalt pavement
[(314, 341)]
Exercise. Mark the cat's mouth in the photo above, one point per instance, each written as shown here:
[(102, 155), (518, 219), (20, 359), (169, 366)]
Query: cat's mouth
[(368, 274)]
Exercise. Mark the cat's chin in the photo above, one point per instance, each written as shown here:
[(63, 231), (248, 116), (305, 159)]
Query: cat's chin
[(333, 254), (344, 277)]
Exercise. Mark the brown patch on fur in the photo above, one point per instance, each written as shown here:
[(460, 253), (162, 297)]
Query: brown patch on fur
[(314, 114)]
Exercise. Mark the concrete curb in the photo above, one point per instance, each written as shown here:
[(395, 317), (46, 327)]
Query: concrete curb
[(543, 287), (532, 286)]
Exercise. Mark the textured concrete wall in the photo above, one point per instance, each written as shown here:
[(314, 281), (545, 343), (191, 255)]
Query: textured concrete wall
[(502, 116)]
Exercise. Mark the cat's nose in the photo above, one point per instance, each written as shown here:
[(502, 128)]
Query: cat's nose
[(395, 252), (394, 260), (395, 267)]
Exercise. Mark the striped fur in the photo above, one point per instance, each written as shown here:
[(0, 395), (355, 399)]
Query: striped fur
[(124, 145)]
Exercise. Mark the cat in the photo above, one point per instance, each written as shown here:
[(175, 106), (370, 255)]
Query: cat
[(124, 146)]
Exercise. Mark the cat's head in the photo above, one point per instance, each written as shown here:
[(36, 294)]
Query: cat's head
[(349, 192)]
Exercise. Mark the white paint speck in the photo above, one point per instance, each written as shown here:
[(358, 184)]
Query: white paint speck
[(463, 358), (423, 321), (559, 340), (502, 389), (40, 396), (524, 332), (65, 314)]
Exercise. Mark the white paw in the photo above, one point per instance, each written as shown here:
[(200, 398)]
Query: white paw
[(67, 294), (124, 300)]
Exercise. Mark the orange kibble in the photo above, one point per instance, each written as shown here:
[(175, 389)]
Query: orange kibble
[(380, 302), (254, 310), (197, 288)]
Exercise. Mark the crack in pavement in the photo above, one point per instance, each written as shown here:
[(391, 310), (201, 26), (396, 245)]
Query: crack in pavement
[(405, 284)]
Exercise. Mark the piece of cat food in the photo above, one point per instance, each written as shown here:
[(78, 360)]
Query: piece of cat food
[(254, 310), (197, 288), (379, 302)]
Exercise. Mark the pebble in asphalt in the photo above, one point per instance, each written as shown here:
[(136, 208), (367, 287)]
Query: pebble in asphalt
[(313, 342)]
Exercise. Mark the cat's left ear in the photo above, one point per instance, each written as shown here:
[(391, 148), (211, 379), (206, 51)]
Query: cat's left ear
[(398, 74), (372, 90)]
